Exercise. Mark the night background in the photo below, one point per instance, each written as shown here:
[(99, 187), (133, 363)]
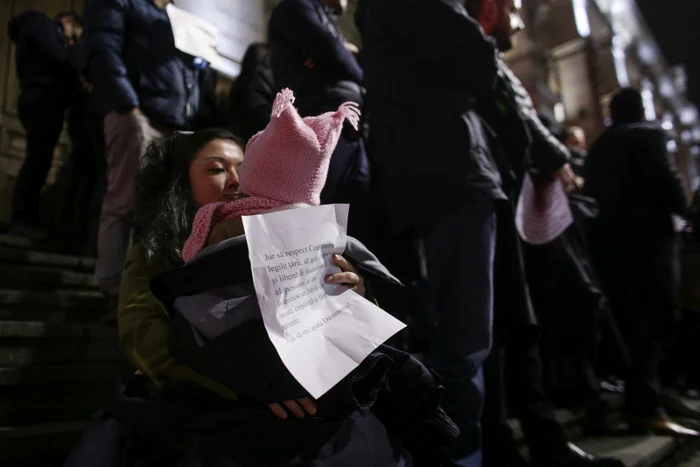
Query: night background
[(676, 26)]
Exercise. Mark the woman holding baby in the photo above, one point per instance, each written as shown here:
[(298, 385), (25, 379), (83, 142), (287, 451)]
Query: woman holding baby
[(247, 410)]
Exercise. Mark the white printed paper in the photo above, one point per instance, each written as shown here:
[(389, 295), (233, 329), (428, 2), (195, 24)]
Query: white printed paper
[(542, 217), (193, 35), (322, 332)]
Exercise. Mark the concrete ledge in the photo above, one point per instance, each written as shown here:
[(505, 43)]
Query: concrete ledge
[(39, 329), (16, 255), (59, 374), (52, 300), (44, 276)]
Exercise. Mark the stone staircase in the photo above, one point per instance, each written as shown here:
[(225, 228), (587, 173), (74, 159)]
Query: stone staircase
[(58, 365)]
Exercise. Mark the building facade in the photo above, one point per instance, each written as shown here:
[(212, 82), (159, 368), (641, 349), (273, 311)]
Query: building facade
[(574, 54)]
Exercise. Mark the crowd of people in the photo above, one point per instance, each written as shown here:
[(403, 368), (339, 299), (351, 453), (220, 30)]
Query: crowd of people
[(432, 172)]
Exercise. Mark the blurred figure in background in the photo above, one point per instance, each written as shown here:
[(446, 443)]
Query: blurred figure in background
[(310, 56), (142, 98), (47, 83), (252, 93), (525, 146), (635, 249), (574, 138)]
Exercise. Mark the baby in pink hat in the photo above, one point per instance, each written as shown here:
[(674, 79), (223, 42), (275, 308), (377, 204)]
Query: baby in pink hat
[(285, 166)]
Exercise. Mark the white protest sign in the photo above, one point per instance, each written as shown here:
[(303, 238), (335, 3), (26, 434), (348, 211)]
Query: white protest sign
[(322, 332), (196, 36), (542, 217)]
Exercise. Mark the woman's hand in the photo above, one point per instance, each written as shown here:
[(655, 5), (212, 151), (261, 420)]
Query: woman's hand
[(348, 277), (299, 408)]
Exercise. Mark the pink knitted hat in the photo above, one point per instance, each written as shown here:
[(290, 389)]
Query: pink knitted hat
[(288, 160), (286, 163)]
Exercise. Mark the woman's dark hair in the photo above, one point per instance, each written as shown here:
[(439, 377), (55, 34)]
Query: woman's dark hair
[(165, 208)]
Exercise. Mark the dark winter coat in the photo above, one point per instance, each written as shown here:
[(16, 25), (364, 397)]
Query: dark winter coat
[(308, 55), (426, 62), (253, 93), (521, 144), (385, 413), (633, 242), (630, 174), (132, 62), (41, 56)]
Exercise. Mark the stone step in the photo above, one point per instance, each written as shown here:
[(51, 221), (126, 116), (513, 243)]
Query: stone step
[(44, 277), (18, 353), (22, 404), (644, 451), (44, 329), (13, 255), (74, 315), (41, 444), (51, 300), (60, 374)]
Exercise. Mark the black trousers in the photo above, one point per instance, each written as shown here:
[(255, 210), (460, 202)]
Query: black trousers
[(641, 284), (84, 176), (513, 376), (41, 112)]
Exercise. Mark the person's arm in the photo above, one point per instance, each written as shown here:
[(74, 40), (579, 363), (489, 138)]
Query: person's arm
[(298, 22), (659, 177), (43, 36), (143, 326), (547, 154), (105, 27)]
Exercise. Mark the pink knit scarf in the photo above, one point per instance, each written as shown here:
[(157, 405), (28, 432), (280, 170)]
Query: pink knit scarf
[(212, 214)]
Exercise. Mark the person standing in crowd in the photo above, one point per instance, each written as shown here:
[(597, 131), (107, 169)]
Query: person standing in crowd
[(634, 247), (528, 147), (145, 88), (252, 93), (309, 54), (425, 63), (47, 81), (81, 173), (575, 141)]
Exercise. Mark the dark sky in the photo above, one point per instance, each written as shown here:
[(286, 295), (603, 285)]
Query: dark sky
[(676, 26)]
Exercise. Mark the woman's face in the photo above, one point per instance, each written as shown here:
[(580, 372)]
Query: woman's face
[(214, 172)]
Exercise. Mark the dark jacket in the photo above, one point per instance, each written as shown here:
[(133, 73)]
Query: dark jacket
[(132, 62), (629, 173), (426, 62), (633, 243), (526, 142), (308, 55), (253, 93), (41, 57), (521, 144), (397, 389)]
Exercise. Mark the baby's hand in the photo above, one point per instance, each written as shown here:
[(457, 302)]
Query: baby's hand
[(348, 277), (299, 408)]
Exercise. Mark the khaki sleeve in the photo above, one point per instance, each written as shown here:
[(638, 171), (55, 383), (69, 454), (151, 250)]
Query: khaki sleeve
[(143, 325)]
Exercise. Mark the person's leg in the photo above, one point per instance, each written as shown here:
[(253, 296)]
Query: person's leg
[(126, 139), (531, 404), (499, 445), (42, 118), (459, 250)]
